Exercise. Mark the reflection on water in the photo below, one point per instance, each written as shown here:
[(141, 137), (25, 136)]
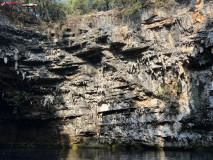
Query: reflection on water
[(100, 154)]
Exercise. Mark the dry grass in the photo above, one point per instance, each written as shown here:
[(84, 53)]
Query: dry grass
[(62, 30), (73, 22), (70, 44)]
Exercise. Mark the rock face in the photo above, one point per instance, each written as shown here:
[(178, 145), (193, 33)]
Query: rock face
[(110, 79)]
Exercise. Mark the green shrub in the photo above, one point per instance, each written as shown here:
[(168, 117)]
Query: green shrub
[(16, 101), (162, 3), (131, 9)]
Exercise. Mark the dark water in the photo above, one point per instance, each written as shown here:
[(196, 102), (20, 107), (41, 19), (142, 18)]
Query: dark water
[(100, 154)]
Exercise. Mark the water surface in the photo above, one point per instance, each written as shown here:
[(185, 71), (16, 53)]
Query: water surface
[(100, 154)]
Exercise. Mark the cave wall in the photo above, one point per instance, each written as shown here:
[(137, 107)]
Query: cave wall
[(145, 79)]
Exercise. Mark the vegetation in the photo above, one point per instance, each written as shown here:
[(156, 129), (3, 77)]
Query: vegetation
[(163, 93), (16, 101), (131, 6), (167, 92), (56, 10), (131, 9)]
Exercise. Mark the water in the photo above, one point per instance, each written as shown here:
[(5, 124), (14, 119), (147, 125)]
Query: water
[(100, 154)]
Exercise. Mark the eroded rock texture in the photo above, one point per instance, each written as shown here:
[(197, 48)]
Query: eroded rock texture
[(146, 79)]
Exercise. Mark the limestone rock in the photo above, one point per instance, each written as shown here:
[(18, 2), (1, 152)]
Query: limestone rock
[(143, 79)]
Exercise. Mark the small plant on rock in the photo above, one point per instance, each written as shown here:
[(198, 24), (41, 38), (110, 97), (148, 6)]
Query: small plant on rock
[(16, 101), (169, 91)]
